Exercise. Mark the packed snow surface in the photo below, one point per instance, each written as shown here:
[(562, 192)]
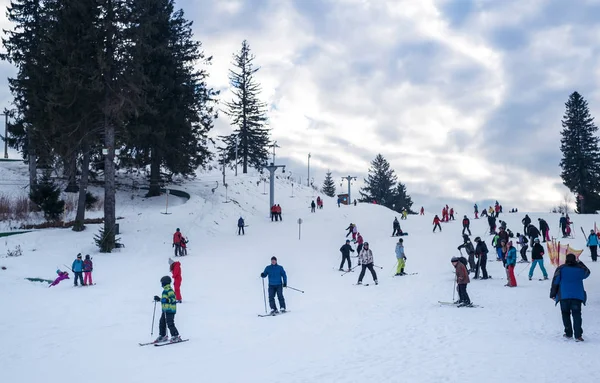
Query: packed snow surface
[(334, 332)]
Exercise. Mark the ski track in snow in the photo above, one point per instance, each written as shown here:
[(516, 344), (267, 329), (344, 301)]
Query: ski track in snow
[(335, 331)]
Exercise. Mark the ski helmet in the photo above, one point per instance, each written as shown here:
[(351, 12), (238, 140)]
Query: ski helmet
[(166, 280), (454, 259)]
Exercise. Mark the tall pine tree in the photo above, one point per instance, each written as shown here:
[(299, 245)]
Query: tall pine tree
[(380, 183), (248, 114), (581, 154), (401, 199), (328, 185)]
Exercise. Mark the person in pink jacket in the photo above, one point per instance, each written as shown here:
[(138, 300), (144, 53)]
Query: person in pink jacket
[(61, 276)]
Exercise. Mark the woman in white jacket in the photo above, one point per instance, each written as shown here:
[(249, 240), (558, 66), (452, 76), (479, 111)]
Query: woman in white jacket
[(365, 259)]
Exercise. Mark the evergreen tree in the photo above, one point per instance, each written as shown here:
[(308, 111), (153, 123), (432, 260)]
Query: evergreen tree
[(248, 114), (171, 129), (581, 154), (328, 185), (380, 183), (401, 199), (46, 195)]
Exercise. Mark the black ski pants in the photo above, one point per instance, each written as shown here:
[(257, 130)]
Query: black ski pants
[(463, 297), (568, 308), (78, 276), (472, 264), (437, 225), (167, 320), (524, 252), (178, 251), (396, 231), (564, 230), (594, 251), (276, 289), (344, 258), (467, 229), (241, 230), (481, 263), (371, 269)]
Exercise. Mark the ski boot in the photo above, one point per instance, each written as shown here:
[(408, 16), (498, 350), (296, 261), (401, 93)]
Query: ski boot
[(376, 282), (359, 283), (397, 274), (283, 310), (274, 312), (175, 339), (340, 269), (580, 339), (161, 339), (529, 278), (546, 278), (465, 304)]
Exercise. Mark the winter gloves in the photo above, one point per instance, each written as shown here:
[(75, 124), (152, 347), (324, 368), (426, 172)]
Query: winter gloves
[(263, 275), (156, 298)]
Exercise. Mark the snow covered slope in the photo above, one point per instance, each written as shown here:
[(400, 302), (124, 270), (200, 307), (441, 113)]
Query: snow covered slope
[(335, 331)]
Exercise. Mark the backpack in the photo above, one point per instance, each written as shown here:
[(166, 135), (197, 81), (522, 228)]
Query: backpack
[(463, 260), (465, 222)]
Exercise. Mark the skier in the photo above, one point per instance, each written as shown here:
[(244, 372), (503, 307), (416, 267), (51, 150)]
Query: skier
[(567, 288), (481, 252), (241, 225), (537, 255), (175, 268), (592, 243), (502, 224), (436, 223), (526, 221), (274, 213), (497, 209), (468, 246), (359, 239), (318, 202), (339, 201), (522, 240), (77, 268), (278, 210), (169, 308), (346, 249), (511, 261), (544, 229), (452, 213), (277, 281), (349, 228), (396, 227), (404, 214), (563, 225), (62, 275), (491, 211), (462, 279), (503, 234), (476, 211), (533, 233), (484, 213), (88, 267), (184, 243), (401, 257), (422, 210), (466, 223), (365, 259), (492, 224), (354, 233), (360, 244), (177, 238), (355, 202), (313, 206)]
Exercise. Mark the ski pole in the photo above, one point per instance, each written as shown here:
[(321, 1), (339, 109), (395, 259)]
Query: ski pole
[(350, 270), (153, 316), (68, 268), (396, 265), (454, 289), (378, 266), (288, 287), (264, 294), (526, 266)]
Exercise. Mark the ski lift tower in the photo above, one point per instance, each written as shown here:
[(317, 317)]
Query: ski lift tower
[(272, 168), (349, 179)]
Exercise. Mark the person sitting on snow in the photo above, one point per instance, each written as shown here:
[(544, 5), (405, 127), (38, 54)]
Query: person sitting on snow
[(62, 275)]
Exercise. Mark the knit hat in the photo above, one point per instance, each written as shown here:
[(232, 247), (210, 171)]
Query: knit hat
[(87, 256), (400, 240), (170, 261), (273, 258)]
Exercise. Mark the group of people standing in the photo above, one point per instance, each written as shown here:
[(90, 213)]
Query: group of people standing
[(276, 213)]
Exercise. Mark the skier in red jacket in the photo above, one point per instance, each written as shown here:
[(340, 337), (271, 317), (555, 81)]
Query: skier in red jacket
[(175, 268), (436, 223), (177, 239)]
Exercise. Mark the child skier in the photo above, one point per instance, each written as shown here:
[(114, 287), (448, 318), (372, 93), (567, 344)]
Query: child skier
[(175, 268), (277, 281), (592, 243), (365, 259), (346, 249), (61, 276), (354, 232), (522, 240), (511, 261), (537, 255), (88, 267), (169, 308), (77, 268), (401, 257), (462, 279)]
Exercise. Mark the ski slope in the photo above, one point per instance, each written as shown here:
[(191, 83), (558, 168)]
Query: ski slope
[(335, 331)]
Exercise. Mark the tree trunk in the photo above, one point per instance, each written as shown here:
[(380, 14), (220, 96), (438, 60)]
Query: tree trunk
[(31, 157), (83, 183), (70, 165), (154, 189), (108, 243)]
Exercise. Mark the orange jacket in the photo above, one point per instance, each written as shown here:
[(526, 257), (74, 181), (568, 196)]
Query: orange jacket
[(177, 238)]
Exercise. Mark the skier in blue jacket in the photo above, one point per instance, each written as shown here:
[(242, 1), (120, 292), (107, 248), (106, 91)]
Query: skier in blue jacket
[(592, 243), (77, 268), (567, 288), (277, 281)]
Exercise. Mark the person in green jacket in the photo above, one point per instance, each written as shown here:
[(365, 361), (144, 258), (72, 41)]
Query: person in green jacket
[(169, 308)]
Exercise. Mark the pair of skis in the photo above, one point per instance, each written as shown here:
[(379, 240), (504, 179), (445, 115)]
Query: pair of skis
[(162, 343), (458, 305), (274, 314)]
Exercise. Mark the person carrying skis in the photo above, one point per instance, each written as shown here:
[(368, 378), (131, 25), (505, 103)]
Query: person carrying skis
[(241, 225), (567, 288), (476, 209), (537, 255), (492, 224), (526, 221), (522, 240), (313, 206), (88, 267), (462, 279), (346, 249), (481, 252), (563, 225), (396, 227), (544, 229), (511, 261), (169, 309), (401, 257), (468, 246), (175, 268), (466, 223), (365, 259), (77, 268), (592, 243), (436, 223), (277, 281), (177, 239), (62, 275)]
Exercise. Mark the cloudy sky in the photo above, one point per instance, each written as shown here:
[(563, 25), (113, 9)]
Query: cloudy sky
[(463, 97)]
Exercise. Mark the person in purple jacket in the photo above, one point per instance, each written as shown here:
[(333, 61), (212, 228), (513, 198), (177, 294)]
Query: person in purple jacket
[(61, 276)]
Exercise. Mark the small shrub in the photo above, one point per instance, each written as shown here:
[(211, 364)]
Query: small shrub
[(90, 201), (101, 240), (15, 253), (46, 195), (4, 207), (21, 210)]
